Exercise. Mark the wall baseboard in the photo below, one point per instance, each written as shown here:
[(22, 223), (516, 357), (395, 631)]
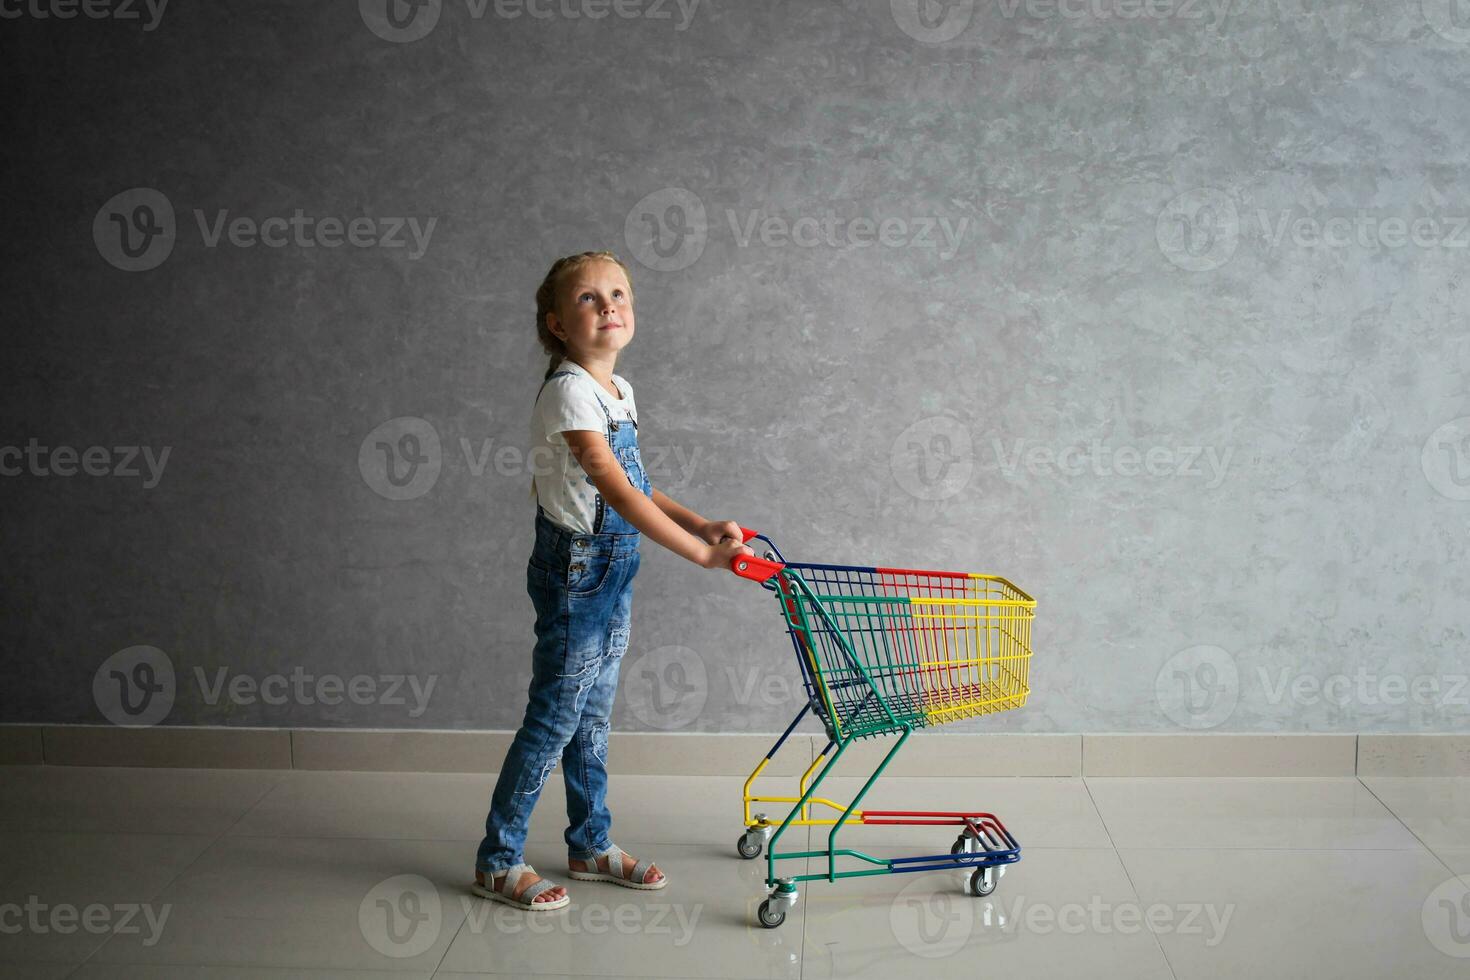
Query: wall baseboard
[(679, 754)]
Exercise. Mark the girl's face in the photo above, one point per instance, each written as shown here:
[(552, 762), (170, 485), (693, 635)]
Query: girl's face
[(595, 311)]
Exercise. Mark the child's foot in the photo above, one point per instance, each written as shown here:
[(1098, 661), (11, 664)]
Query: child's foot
[(650, 877), (528, 879)]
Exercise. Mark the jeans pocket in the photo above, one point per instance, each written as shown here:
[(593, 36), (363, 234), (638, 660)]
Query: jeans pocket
[(587, 573)]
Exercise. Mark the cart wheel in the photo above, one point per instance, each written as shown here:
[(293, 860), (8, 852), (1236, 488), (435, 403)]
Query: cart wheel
[(749, 845), (958, 847), (768, 918), (983, 882)]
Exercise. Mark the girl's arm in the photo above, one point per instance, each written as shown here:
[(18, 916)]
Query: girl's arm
[(590, 449), (708, 531)]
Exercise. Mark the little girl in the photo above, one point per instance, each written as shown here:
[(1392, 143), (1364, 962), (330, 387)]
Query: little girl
[(592, 502)]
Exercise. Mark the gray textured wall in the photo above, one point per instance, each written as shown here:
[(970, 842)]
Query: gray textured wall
[(1157, 309)]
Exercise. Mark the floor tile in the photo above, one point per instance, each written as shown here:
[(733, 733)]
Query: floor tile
[(701, 925), (312, 903), (138, 801), (1344, 914), (1267, 812), (1435, 809), (66, 893), (1034, 925), (380, 806)]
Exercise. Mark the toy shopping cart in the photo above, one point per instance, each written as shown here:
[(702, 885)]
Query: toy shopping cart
[(884, 651)]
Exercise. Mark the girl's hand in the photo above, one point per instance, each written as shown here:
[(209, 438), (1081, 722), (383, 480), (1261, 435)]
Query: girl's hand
[(718, 555), (712, 532)]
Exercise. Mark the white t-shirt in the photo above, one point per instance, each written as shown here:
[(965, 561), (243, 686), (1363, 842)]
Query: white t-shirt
[(562, 487)]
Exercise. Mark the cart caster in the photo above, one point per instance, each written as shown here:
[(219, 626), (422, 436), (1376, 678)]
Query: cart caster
[(983, 882), (772, 911), (755, 837), (960, 846)]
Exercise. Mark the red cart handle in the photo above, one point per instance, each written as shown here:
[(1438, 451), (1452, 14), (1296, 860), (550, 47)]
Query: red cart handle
[(751, 567)]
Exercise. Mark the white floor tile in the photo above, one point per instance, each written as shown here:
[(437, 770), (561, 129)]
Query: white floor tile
[(1344, 914), (1034, 924), (108, 799), (701, 925), (1436, 809), (1246, 812), (65, 894)]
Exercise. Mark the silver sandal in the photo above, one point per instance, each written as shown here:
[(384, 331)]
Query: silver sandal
[(614, 874), (528, 897)]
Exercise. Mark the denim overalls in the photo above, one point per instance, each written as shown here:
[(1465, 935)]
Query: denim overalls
[(582, 588)]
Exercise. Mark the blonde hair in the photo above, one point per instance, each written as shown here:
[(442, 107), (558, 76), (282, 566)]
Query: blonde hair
[(546, 297)]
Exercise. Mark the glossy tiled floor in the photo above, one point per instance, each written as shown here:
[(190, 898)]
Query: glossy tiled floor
[(174, 873)]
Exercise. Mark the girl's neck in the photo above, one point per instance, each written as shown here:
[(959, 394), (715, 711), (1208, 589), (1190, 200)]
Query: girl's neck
[(600, 369)]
